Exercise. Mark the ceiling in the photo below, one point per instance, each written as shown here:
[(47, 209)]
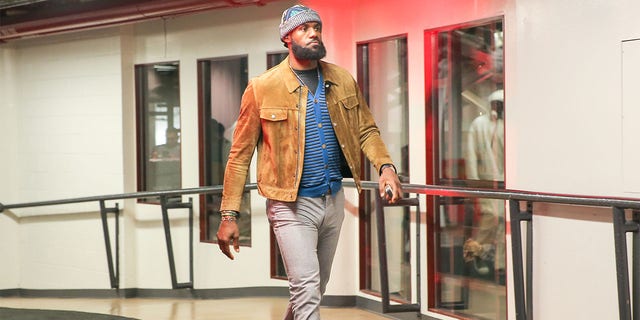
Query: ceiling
[(29, 18)]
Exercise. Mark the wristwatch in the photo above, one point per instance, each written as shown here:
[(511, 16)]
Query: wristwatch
[(384, 166)]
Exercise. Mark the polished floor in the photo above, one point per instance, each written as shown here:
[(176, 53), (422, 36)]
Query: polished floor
[(185, 309)]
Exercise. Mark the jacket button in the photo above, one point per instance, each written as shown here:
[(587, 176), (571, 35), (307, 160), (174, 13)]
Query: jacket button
[(273, 116)]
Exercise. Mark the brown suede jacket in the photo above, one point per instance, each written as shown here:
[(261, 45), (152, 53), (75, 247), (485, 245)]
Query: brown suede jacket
[(272, 118)]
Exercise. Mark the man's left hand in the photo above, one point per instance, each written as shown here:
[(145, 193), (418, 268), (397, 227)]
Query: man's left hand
[(390, 178)]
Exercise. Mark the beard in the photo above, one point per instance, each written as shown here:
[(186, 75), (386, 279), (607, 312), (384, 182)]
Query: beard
[(303, 53)]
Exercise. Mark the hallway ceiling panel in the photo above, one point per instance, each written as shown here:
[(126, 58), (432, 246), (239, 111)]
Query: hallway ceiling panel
[(30, 18)]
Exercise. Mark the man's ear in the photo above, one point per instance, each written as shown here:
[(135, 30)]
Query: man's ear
[(286, 41)]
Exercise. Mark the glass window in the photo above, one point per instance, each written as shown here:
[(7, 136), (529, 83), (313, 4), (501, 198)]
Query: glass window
[(222, 82), (467, 107), (383, 77), (158, 109)]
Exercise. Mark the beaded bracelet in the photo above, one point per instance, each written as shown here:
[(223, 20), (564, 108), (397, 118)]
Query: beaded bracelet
[(230, 213)]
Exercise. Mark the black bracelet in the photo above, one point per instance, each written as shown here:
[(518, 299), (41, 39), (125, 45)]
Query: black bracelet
[(382, 167)]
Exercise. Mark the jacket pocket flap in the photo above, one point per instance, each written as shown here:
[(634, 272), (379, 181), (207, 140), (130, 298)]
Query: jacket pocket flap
[(272, 114), (349, 102)]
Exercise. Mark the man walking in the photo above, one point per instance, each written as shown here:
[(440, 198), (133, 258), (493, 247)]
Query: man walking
[(309, 122)]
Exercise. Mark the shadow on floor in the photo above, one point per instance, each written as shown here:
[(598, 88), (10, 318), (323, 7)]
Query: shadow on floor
[(38, 314)]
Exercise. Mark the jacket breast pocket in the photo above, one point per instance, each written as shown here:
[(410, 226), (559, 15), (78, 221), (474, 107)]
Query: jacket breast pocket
[(273, 114), (348, 108), (276, 124), (349, 102)]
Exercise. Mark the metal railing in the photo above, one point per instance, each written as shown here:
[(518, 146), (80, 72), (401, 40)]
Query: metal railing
[(522, 286), (166, 203)]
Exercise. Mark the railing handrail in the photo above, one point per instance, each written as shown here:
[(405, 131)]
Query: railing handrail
[(523, 301), (436, 190), (511, 194), (120, 196)]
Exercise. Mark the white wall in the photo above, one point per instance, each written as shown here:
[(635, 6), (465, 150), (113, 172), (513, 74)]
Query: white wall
[(8, 121), (563, 63), (63, 252), (563, 69), (62, 114), (8, 224), (9, 238), (69, 128)]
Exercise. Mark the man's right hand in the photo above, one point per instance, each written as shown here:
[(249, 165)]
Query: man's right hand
[(228, 232)]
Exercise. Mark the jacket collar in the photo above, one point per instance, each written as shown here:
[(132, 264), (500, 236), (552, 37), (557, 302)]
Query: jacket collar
[(292, 83)]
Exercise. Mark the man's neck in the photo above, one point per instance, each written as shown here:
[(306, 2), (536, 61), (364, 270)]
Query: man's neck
[(299, 64)]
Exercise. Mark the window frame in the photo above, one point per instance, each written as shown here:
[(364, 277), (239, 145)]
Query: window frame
[(366, 206), (204, 116), (433, 159), (141, 105)]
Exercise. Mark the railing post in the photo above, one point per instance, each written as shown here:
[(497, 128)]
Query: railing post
[(529, 260), (382, 255), (620, 229), (523, 309), (166, 205), (114, 271), (635, 271)]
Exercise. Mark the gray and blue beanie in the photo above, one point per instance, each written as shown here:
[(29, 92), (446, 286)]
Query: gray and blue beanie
[(295, 16)]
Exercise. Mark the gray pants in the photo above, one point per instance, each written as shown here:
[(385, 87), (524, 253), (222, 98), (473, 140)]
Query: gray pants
[(307, 232)]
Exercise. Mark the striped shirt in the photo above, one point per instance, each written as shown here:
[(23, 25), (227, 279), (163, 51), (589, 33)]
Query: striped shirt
[(321, 169)]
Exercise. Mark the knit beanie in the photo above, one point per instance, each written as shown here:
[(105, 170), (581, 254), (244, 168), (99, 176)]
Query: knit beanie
[(295, 16)]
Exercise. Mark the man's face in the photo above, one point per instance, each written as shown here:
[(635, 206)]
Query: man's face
[(306, 41), (172, 138)]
